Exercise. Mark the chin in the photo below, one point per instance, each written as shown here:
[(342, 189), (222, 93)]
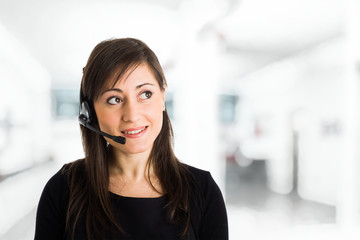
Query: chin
[(129, 148)]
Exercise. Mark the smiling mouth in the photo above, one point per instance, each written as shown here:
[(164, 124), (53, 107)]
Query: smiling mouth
[(135, 131)]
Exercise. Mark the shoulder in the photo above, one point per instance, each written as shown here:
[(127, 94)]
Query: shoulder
[(196, 171), (56, 192), (58, 183), (202, 177), (204, 182), (68, 169)]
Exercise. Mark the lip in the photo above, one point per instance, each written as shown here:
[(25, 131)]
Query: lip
[(134, 129)]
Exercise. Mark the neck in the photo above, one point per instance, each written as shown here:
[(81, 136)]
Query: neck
[(130, 166)]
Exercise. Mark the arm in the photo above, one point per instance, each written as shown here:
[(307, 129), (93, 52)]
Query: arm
[(51, 211), (214, 223)]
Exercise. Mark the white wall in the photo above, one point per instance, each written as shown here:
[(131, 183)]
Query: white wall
[(24, 107), (303, 93)]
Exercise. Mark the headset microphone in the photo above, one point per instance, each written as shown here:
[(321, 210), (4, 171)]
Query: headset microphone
[(85, 119)]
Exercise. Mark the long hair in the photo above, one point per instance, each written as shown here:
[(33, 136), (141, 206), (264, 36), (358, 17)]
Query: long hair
[(89, 178)]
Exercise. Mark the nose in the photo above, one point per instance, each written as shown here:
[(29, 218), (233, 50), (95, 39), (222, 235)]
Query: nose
[(130, 112)]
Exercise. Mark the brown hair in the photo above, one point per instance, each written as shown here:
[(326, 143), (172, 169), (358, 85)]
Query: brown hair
[(89, 178)]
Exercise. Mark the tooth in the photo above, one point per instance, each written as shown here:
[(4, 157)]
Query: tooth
[(135, 132)]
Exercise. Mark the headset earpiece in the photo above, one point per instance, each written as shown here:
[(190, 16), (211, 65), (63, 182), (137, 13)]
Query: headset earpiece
[(84, 113)]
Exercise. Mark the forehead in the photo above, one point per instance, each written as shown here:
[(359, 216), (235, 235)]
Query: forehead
[(134, 75)]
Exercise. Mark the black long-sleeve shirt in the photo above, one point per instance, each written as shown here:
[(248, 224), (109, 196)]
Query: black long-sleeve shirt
[(141, 218)]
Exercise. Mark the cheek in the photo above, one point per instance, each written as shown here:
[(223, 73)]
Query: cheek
[(156, 116), (106, 119)]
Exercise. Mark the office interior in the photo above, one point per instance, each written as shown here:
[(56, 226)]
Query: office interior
[(264, 94)]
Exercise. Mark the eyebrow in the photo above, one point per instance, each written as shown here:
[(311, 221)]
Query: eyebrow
[(141, 85), (120, 91)]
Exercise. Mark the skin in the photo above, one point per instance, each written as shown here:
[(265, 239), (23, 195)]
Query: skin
[(135, 102)]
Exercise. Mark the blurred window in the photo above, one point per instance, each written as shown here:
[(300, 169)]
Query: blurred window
[(65, 103), (170, 104), (227, 108)]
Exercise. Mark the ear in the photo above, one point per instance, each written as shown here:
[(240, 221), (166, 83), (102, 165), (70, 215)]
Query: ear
[(163, 98), (163, 93)]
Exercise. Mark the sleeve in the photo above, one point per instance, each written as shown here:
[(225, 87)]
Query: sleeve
[(214, 222), (51, 211)]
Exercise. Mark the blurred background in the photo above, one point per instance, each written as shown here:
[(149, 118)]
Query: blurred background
[(265, 94)]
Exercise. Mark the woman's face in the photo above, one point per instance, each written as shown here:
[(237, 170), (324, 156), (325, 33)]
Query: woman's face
[(132, 109)]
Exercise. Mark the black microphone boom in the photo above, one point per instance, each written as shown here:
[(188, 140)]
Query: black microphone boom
[(118, 139)]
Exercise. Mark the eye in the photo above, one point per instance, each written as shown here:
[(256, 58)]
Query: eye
[(146, 95), (114, 100)]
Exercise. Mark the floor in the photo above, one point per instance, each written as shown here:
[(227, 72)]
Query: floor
[(256, 213)]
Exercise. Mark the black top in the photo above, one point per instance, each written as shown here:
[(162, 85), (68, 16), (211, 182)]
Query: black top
[(141, 218)]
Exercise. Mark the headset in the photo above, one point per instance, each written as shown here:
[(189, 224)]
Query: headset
[(86, 118)]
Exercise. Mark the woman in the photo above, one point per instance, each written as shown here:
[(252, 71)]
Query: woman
[(131, 186)]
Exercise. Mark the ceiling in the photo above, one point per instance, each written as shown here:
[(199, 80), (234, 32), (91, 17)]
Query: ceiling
[(252, 33)]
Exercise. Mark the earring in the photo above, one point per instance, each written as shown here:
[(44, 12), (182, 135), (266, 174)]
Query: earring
[(164, 107)]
